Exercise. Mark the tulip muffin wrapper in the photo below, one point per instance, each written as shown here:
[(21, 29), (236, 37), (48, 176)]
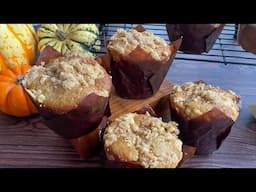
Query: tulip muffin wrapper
[(206, 132), (78, 121), (196, 38), (246, 37), (188, 151), (138, 75), (79, 124)]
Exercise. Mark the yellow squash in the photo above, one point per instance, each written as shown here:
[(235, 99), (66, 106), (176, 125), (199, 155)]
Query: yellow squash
[(18, 45)]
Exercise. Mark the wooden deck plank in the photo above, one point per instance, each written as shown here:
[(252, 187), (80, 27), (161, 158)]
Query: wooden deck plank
[(228, 41), (239, 54), (226, 36), (221, 161), (200, 57), (228, 32), (241, 60), (233, 47), (229, 28)]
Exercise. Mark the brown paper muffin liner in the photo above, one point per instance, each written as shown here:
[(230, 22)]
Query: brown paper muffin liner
[(188, 151), (79, 121), (246, 37), (80, 125), (104, 61), (47, 54), (90, 144), (138, 75), (205, 132), (196, 38), (76, 122)]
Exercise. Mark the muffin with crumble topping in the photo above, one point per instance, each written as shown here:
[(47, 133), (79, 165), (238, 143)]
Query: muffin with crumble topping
[(205, 114), (143, 140), (71, 92), (140, 61)]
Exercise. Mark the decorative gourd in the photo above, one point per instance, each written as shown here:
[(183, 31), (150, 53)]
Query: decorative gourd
[(13, 99), (64, 37), (18, 45)]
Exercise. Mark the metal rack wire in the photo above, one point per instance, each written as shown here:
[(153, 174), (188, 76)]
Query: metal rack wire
[(226, 50)]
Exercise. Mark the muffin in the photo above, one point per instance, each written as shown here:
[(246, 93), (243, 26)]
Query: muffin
[(139, 63), (205, 114), (143, 140), (196, 38), (246, 37), (71, 93), (47, 54)]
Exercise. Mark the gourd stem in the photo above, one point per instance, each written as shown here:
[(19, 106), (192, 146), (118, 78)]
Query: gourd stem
[(19, 79), (60, 35)]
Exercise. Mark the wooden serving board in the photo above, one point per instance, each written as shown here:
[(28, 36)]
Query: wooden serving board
[(119, 106), (88, 144)]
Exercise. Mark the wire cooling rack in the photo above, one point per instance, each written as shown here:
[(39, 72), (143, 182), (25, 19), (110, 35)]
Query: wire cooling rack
[(226, 50)]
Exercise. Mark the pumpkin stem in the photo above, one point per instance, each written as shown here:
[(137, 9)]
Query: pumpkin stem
[(19, 79), (60, 35)]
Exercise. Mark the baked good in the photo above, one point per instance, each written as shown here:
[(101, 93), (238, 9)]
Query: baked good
[(205, 114), (71, 93), (246, 37), (139, 63), (196, 38), (140, 139)]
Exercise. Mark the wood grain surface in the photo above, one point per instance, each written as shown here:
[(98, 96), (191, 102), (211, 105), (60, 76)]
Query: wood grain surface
[(120, 105)]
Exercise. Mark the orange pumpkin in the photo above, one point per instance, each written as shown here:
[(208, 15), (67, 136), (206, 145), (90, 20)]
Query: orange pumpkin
[(13, 99), (2, 63)]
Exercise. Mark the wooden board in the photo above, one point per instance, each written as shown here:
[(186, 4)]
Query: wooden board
[(120, 106)]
